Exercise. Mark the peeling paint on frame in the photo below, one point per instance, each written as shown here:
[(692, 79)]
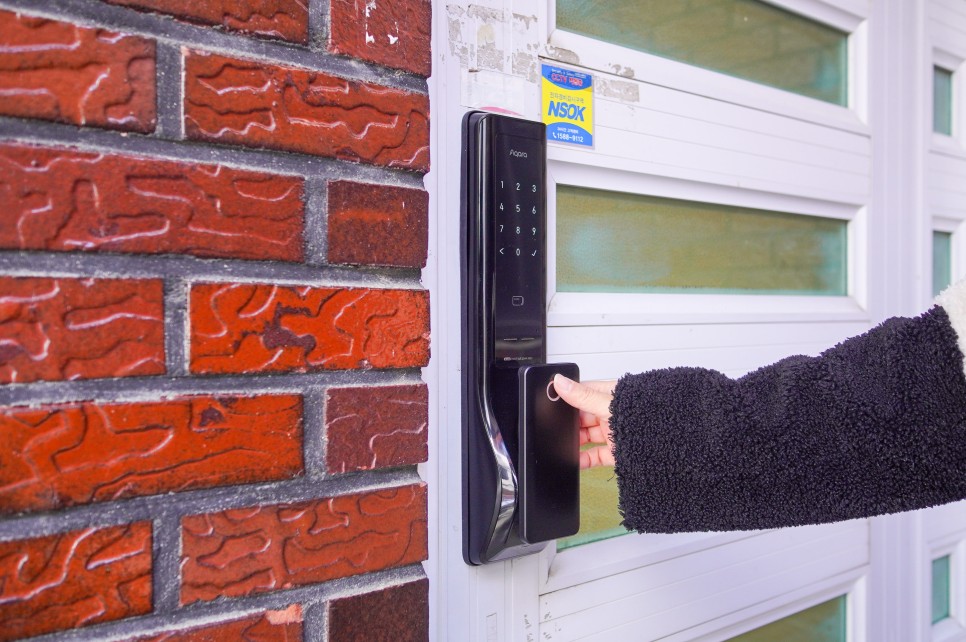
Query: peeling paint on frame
[(622, 90), (496, 36), (458, 45), (500, 43)]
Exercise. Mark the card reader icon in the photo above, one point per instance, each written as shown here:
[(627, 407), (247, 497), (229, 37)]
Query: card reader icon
[(517, 301)]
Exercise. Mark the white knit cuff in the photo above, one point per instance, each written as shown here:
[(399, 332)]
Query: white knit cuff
[(953, 301)]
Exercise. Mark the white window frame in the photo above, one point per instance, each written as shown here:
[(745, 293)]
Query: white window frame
[(945, 529), (846, 15), (957, 243), (949, 52), (851, 584), (732, 593), (596, 560), (952, 63), (601, 309)]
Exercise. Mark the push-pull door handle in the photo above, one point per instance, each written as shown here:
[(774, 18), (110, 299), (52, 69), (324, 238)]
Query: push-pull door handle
[(510, 453)]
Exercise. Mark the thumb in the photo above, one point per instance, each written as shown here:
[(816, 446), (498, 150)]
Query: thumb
[(582, 397)]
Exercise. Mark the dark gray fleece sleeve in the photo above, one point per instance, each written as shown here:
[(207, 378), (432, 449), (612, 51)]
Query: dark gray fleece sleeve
[(874, 425)]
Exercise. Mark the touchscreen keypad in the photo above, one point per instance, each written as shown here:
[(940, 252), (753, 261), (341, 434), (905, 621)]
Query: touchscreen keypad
[(517, 222), (518, 245)]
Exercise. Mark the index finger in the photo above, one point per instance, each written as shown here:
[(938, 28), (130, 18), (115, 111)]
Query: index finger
[(583, 397)]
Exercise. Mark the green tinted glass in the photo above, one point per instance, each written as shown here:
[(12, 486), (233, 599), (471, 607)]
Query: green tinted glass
[(617, 242), (599, 518), (942, 261), (942, 101), (940, 589), (744, 38), (825, 622)]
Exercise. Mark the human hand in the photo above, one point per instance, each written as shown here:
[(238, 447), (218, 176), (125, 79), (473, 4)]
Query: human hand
[(592, 399)]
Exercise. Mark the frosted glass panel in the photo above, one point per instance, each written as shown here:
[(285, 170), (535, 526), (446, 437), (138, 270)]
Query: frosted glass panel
[(940, 589), (617, 242), (599, 518), (824, 622), (942, 101), (942, 261), (744, 38)]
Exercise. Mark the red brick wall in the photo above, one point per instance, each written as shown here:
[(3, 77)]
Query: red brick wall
[(212, 221)]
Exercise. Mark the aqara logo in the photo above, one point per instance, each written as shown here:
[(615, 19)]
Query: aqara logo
[(514, 152)]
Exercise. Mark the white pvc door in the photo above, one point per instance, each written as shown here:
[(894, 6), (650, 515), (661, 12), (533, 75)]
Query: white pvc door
[(675, 133)]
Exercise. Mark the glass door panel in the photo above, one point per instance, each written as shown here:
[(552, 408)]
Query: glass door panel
[(743, 38), (940, 589), (618, 242), (825, 622), (942, 261), (942, 101), (599, 518)]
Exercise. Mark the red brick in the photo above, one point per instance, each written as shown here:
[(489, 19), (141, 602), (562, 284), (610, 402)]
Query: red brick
[(375, 427), (271, 626), (396, 34), (258, 104), (377, 224), (243, 327), (62, 72), (285, 19), (57, 329), (247, 551), (74, 579), (78, 453), (66, 200), (398, 613)]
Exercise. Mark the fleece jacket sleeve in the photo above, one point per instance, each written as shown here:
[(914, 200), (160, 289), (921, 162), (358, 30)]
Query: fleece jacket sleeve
[(874, 425)]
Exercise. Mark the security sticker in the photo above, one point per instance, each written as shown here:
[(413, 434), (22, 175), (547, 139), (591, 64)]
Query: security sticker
[(568, 106)]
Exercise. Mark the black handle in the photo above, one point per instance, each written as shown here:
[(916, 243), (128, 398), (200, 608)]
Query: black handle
[(549, 460)]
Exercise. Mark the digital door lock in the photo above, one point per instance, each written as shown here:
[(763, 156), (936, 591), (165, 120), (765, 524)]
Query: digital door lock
[(520, 441)]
